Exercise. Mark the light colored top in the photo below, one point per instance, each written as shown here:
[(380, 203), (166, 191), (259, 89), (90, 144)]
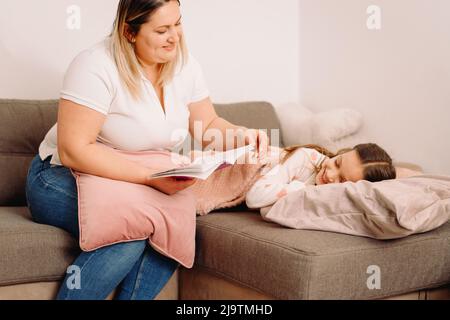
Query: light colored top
[(92, 80), (278, 180)]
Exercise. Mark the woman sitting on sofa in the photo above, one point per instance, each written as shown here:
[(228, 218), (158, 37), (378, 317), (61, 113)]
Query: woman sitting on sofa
[(130, 92)]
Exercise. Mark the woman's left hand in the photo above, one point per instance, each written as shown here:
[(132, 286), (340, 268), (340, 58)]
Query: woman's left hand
[(260, 140)]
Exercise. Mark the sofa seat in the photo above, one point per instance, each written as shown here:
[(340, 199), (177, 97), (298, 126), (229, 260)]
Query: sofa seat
[(35, 257), (32, 252), (281, 263)]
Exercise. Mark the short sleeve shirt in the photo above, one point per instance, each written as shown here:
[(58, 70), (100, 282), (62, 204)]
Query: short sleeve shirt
[(93, 81)]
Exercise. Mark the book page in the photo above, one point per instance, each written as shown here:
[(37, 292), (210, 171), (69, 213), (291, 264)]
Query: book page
[(203, 166)]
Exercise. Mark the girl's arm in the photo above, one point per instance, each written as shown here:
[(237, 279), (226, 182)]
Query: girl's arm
[(278, 182)]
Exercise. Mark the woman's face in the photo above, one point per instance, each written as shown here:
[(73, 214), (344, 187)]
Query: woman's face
[(158, 39), (342, 168)]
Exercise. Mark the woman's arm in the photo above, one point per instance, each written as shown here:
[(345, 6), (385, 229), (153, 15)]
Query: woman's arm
[(78, 129), (211, 130)]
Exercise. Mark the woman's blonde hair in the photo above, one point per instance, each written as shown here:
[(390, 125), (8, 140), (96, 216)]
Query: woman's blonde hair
[(131, 15)]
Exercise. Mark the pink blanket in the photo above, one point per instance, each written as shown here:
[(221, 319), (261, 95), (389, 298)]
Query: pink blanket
[(228, 187), (225, 188)]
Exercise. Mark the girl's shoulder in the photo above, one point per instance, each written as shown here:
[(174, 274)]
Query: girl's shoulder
[(313, 155), (300, 156)]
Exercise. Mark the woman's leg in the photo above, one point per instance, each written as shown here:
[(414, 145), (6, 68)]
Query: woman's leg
[(100, 271), (52, 199), (52, 196), (148, 276)]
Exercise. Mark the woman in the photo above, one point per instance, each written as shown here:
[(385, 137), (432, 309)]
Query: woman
[(131, 92), (295, 167)]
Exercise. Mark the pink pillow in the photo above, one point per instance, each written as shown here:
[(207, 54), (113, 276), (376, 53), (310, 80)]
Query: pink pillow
[(112, 211)]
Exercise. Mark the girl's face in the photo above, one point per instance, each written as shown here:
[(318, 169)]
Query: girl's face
[(158, 39), (342, 168)]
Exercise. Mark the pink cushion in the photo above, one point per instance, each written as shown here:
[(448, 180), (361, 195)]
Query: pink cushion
[(112, 211)]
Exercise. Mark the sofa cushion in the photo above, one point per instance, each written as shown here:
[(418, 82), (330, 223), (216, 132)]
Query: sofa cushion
[(23, 126), (302, 264), (32, 252)]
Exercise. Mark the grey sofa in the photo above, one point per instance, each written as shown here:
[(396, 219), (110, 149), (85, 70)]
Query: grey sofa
[(239, 256)]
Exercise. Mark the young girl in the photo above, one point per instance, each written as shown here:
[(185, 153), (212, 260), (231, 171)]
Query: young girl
[(313, 165)]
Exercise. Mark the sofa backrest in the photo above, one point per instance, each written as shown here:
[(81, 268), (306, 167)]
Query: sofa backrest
[(259, 115), (24, 124)]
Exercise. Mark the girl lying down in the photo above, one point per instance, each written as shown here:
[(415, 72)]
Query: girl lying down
[(313, 165)]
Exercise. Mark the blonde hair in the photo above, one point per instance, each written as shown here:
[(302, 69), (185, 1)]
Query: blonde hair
[(133, 14)]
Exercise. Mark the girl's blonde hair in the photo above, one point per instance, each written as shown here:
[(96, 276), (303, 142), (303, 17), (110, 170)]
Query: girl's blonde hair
[(131, 15), (376, 161)]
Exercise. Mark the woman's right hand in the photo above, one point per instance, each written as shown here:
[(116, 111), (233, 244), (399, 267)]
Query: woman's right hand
[(171, 185)]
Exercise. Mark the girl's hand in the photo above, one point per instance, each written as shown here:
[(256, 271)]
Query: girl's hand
[(171, 185)]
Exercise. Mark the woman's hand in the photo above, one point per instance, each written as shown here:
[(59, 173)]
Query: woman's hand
[(171, 185), (259, 139)]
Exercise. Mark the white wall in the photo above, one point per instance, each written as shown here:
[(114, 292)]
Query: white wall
[(398, 77), (36, 47), (248, 49), (318, 52)]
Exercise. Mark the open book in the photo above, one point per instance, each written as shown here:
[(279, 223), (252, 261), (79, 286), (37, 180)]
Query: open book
[(204, 166)]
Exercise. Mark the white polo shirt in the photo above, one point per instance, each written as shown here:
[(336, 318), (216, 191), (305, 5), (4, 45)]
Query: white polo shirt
[(92, 80)]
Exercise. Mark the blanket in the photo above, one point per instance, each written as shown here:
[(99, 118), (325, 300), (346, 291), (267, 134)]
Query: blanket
[(225, 188), (388, 209)]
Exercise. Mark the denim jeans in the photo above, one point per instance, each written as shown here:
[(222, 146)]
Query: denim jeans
[(134, 268)]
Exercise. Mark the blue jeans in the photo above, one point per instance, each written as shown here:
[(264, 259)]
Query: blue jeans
[(134, 268)]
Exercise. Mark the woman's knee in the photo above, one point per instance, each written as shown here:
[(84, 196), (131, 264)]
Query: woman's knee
[(52, 196), (122, 256), (125, 252)]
